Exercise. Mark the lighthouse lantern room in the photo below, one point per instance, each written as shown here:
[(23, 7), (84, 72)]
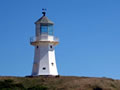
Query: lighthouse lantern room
[(44, 43)]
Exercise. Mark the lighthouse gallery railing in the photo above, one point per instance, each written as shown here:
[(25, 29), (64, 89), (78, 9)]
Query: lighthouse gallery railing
[(43, 38)]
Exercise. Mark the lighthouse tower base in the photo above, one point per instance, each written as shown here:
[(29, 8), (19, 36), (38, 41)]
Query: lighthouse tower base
[(44, 60)]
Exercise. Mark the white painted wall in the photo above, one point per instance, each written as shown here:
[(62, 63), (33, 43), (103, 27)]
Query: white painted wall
[(44, 57), (52, 63)]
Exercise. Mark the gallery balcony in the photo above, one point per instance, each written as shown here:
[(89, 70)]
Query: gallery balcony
[(44, 40)]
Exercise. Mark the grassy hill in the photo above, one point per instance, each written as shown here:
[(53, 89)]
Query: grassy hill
[(58, 83)]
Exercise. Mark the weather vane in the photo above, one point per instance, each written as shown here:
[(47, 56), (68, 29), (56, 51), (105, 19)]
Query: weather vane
[(44, 11)]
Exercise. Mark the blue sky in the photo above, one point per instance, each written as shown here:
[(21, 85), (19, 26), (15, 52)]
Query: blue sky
[(89, 32)]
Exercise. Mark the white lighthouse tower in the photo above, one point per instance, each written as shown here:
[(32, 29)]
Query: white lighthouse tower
[(44, 43)]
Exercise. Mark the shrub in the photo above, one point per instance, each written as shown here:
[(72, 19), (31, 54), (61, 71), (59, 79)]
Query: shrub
[(97, 88), (9, 85), (38, 88)]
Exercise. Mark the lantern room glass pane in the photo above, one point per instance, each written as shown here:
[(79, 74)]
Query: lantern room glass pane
[(50, 30), (44, 29)]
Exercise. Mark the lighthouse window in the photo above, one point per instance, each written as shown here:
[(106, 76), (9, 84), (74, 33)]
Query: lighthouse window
[(44, 29), (52, 64), (44, 68), (50, 30), (50, 46), (47, 29), (37, 46)]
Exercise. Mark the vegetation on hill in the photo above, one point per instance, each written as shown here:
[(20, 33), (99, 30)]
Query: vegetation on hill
[(58, 83)]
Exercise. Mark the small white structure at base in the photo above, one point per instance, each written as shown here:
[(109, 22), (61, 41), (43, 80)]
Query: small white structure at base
[(44, 42)]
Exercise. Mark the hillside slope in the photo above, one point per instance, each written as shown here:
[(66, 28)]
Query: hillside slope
[(58, 83)]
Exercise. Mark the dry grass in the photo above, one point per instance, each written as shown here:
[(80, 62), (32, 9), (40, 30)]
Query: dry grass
[(63, 83)]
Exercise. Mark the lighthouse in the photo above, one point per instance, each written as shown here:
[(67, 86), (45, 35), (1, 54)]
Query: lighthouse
[(44, 43)]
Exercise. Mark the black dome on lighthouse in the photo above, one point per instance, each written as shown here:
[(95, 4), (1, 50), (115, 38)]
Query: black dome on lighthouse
[(44, 20)]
